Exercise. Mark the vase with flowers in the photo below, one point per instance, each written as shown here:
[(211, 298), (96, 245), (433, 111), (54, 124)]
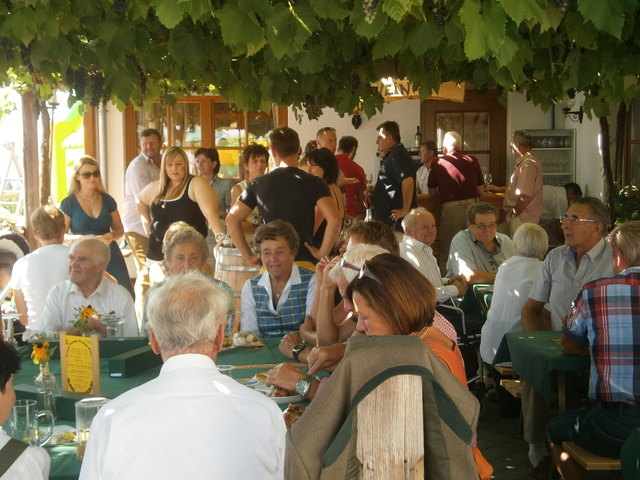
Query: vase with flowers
[(45, 382)]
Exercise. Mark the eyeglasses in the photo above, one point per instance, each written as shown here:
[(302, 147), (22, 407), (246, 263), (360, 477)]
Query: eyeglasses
[(95, 173), (344, 264), (483, 226), (365, 272), (573, 219)]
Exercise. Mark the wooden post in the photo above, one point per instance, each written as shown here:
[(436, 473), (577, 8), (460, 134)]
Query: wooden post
[(45, 158), (30, 157), (390, 441)]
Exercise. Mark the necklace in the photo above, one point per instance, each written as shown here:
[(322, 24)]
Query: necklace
[(91, 199)]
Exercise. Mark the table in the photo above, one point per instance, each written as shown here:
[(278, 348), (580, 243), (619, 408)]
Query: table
[(537, 357), (64, 466)]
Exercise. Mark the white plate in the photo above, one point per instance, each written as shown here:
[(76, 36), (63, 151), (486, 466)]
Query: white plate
[(290, 399)]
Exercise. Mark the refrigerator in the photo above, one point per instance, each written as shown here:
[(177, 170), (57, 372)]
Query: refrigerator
[(556, 150)]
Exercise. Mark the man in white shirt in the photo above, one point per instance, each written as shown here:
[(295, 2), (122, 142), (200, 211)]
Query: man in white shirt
[(88, 259), (428, 153), (555, 201), (191, 421), (34, 274), (34, 462), (419, 234), (142, 170)]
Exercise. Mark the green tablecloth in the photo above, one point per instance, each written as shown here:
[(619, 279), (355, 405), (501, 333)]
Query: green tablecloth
[(537, 357), (64, 465)]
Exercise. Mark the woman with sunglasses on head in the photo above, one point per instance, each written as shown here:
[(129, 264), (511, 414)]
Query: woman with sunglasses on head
[(89, 210)]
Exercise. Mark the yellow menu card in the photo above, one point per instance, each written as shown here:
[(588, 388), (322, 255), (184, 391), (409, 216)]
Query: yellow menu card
[(80, 363)]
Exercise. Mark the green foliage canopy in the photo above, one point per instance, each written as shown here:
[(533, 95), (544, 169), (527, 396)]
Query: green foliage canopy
[(317, 53)]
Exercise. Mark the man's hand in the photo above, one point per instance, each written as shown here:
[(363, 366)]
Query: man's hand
[(285, 375), (325, 358), (460, 284), (289, 341)]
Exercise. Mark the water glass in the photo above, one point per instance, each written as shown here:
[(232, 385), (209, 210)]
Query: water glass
[(225, 369), (28, 425), (86, 409)]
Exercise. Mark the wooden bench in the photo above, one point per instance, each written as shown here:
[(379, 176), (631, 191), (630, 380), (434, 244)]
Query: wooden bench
[(506, 371), (513, 386), (588, 460)]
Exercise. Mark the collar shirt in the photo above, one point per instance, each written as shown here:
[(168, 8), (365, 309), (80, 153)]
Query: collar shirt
[(607, 316), (249, 319), (510, 292), (559, 281), (64, 300), (466, 254), (421, 256), (422, 177), (32, 464), (140, 173), (190, 422)]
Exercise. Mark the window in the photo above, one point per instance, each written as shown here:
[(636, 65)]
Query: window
[(207, 121)]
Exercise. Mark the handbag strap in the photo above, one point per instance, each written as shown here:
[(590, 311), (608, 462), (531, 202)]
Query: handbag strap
[(10, 453)]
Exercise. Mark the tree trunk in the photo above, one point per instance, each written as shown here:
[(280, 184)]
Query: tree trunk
[(45, 158), (30, 157), (621, 128), (606, 164)]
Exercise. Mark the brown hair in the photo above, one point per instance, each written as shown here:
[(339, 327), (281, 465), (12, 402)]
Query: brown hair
[(277, 229), (284, 141), (397, 291), (375, 233), (211, 154), (48, 221)]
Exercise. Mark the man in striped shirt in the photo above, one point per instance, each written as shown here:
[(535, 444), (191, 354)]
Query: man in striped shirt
[(605, 324)]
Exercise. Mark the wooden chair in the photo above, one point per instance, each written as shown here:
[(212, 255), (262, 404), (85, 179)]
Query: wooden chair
[(590, 461), (390, 441)]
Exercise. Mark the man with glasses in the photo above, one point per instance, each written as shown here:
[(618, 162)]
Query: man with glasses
[(477, 252), (584, 257)]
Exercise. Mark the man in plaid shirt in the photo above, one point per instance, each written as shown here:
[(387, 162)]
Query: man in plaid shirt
[(605, 323)]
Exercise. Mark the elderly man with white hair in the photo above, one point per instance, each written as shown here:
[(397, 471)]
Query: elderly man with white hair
[(191, 421), (457, 178), (419, 227), (87, 287)]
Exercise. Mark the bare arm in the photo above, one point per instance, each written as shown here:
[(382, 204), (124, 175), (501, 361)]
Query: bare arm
[(478, 276), (239, 212), (480, 189), (142, 203), (205, 196), (21, 306), (117, 230), (534, 316), (328, 209), (236, 191)]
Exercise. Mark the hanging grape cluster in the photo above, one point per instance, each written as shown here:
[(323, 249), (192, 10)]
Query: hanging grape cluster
[(563, 5), (369, 9), (440, 14)]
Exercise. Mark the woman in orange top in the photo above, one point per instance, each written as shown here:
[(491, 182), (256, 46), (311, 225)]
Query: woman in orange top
[(391, 297)]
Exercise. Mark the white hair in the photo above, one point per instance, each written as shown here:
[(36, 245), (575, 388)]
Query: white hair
[(452, 140), (99, 249), (530, 240), (185, 311), (410, 218), (356, 256)]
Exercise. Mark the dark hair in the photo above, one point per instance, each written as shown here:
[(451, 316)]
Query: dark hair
[(348, 144), (480, 208), (430, 145), (284, 141), (392, 128), (254, 150), (574, 187), (9, 363), (326, 160), (376, 233), (397, 291), (275, 229), (148, 132), (211, 154)]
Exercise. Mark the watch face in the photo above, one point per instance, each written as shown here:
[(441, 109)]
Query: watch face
[(302, 388)]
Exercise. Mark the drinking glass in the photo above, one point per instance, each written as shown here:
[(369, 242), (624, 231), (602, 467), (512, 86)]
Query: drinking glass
[(86, 409), (27, 425), (113, 322), (225, 369)]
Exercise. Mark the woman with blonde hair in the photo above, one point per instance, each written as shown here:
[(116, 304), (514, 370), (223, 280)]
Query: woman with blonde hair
[(89, 210), (177, 196)]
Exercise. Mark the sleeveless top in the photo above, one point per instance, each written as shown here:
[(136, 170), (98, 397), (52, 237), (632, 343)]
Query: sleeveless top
[(290, 315), (165, 212)]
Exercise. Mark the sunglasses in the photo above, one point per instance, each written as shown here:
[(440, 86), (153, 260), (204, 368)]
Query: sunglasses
[(95, 173), (362, 272)]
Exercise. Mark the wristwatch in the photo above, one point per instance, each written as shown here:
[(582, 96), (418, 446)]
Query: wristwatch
[(219, 237), (298, 349), (303, 386)]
